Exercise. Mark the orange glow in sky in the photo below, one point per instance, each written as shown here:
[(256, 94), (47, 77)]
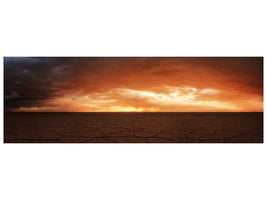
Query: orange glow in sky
[(174, 98), (136, 85)]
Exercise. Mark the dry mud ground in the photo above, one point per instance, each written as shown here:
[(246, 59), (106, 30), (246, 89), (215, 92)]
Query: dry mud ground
[(133, 127)]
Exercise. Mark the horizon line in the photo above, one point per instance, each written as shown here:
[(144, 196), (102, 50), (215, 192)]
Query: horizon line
[(132, 112)]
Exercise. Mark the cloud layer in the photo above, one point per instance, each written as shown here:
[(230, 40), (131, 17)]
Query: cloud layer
[(133, 84)]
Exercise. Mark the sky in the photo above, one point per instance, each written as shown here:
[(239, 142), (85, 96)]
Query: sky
[(133, 84)]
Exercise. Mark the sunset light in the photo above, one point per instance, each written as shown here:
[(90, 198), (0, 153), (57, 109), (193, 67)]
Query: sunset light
[(111, 101), (133, 85)]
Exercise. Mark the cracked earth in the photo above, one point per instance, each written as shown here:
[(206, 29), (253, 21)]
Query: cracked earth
[(133, 128)]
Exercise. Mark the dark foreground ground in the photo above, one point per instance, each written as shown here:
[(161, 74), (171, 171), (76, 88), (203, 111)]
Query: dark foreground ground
[(133, 128)]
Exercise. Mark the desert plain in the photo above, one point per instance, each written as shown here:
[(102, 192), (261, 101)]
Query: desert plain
[(133, 127)]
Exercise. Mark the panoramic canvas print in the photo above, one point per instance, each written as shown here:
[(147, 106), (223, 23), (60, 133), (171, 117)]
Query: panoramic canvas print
[(133, 100)]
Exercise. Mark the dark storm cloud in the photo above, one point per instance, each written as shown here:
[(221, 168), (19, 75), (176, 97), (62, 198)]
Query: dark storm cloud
[(32, 81), (29, 82)]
